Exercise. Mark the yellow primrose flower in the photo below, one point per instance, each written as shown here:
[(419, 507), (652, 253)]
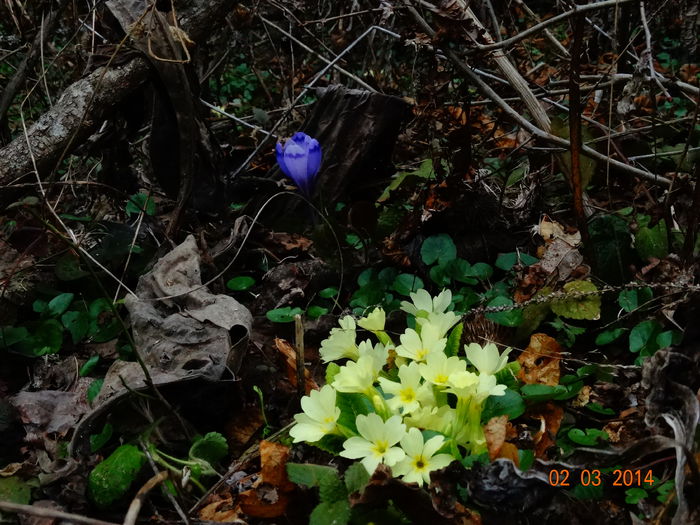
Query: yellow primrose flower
[(441, 321), (438, 419), (486, 359), (358, 377), (376, 444), (375, 321), (423, 304), (417, 347), (488, 386), (462, 384), (420, 458), (438, 367), (409, 394), (319, 416), (341, 342)]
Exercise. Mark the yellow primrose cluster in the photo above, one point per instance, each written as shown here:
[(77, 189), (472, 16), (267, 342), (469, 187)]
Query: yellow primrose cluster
[(423, 407)]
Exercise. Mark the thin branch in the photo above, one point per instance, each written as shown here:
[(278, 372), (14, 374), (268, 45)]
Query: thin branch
[(43, 512), (488, 92), (550, 21), (318, 55)]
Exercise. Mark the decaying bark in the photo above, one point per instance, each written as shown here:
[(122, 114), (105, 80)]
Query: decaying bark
[(85, 104), (81, 109), (357, 131)]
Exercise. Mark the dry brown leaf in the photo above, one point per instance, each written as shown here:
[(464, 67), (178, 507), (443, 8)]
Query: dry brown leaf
[(510, 451), (495, 433), (222, 511), (539, 362), (290, 355), (269, 496), (273, 465), (550, 416), (551, 230)]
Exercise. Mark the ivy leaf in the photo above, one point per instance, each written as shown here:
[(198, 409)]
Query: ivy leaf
[(643, 337), (586, 307), (406, 283), (315, 311), (438, 248), (59, 304), (589, 437), (607, 337)]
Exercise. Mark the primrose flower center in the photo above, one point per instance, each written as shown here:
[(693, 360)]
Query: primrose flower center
[(407, 395), (441, 378), (421, 353), (419, 463), (380, 448)]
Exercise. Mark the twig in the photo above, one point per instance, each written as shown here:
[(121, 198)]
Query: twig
[(550, 21), (236, 119), (647, 52), (135, 507), (318, 55), (547, 32), (299, 343), (43, 512), (575, 128), (488, 92)]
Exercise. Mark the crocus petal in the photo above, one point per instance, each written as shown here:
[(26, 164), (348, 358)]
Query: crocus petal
[(314, 162), (279, 150), (295, 159)]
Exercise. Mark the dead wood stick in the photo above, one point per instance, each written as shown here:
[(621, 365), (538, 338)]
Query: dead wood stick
[(43, 512), (137, 502), (489, 93)]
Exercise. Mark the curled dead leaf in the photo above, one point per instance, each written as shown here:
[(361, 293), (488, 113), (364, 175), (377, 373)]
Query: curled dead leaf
[(539, 362)]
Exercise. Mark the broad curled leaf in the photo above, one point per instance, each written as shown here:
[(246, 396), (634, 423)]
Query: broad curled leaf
[(110, 480), (211, 448), (584, 307), (438, 248)]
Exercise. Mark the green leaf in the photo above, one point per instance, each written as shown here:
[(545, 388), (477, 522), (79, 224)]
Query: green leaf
[(283, 315), (77, 324), (438, 248), (352, 405), (589, 437), (368, 295), (439, 276), (315, 311), (652, 242), (527, 458), (97, 441), (94, 389), (600, 409), (510, 404), (46, 339), (587, 307), (668, 338), (332, 489), (89, 365), (59, 304), (14, 490), (240, 283), (635, 495), (452, 347), (9, 335), (68, 268), (331, 371), (104, 324), (40, 306), (356, 478), (643, 337), (459, 270), (110, 480), (211, 448), (587, 492), (406, 283), (537, 393), (308, 474), (481, 271), (506, 261), (139, 202), (607, 337), (611, 251), (507, 318), (328, 293), (331, 513)]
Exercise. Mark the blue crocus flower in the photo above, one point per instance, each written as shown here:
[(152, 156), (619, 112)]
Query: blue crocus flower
[(300, 159)]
